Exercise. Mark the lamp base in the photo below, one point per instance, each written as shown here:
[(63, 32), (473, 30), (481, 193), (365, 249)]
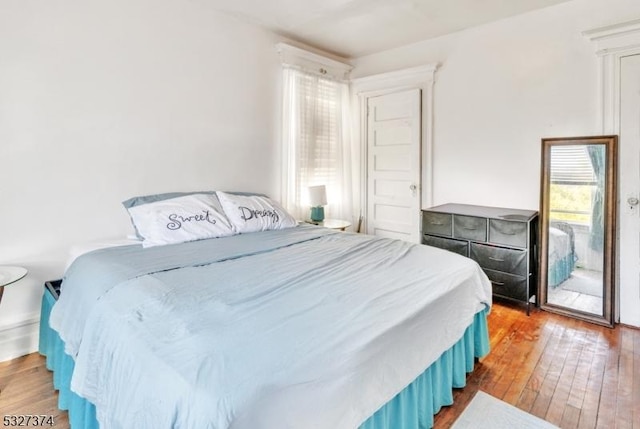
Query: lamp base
[(317, 214)]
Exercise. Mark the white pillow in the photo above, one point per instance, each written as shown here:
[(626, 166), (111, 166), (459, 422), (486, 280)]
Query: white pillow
[(176, 220), (254, 213)]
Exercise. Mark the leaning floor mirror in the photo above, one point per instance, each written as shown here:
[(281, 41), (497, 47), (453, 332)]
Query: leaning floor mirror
[(577, 227)]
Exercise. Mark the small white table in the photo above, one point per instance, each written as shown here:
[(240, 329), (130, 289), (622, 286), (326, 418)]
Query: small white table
[(9, 275), (332, 224)]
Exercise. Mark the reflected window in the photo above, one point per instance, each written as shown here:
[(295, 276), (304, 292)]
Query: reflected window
[(573, 184)]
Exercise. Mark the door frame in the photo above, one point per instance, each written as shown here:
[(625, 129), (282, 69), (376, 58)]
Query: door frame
[(421, 77), (612, 44)]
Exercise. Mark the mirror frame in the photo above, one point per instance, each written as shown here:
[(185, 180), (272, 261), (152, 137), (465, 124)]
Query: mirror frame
[(610, 212)]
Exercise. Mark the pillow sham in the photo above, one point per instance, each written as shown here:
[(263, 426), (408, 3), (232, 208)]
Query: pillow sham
[(181, 219), (152, 198), (254, 213)]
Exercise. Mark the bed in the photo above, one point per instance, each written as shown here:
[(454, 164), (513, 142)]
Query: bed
[(302, 327), (562, 254)]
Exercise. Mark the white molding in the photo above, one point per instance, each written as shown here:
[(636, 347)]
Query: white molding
[(611, 31), (421, 77), (411, 77), (295, 57), (19, 339), (612, 43)]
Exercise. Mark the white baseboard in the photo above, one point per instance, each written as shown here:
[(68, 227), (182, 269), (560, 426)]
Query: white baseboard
[(19, 339)]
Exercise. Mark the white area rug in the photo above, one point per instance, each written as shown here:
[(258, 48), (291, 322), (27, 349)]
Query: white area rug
[(486, 412), (584, 281)]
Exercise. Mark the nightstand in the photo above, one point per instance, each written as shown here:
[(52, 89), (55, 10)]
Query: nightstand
[(339, 224), (9, 275)]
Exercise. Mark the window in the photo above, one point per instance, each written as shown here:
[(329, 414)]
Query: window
[(316, 143)]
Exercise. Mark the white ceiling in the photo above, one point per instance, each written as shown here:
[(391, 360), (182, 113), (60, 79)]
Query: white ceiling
[(352, 28)]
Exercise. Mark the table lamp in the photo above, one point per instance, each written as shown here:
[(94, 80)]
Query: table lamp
[(317, 200)]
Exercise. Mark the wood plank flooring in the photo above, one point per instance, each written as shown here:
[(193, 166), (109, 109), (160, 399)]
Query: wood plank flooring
[(571, 373)]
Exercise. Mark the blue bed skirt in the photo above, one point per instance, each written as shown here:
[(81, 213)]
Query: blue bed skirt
[(413, 408), (561, 270)]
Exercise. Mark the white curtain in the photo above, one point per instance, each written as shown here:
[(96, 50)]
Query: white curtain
[(317, 144)]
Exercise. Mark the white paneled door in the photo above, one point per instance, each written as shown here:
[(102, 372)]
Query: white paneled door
[(393, 165), (629, 187)]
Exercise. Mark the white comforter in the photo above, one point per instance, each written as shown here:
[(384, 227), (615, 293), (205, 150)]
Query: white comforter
[(316, 333)]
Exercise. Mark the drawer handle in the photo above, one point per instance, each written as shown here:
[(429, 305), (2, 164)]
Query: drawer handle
[(470, 228), (497, 283), (436, 223), (508, 233), (496, 259)]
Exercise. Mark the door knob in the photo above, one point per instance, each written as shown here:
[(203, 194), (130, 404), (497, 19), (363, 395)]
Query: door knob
[(633, 201), (413, 187)]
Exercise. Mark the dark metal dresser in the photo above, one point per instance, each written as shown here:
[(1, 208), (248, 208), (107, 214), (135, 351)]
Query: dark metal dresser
[(502, 241)]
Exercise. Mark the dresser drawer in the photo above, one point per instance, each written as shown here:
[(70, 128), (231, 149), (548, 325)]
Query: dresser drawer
[(508, 285), (508, 232), (470, 227), (513, 261), (436, 223), (456, 246)]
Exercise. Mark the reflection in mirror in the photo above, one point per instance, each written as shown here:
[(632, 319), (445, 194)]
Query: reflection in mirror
[(577, 224), (575, 227)]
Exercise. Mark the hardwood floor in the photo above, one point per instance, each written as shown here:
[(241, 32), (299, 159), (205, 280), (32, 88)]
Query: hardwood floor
[(26, 388), (571, 373)]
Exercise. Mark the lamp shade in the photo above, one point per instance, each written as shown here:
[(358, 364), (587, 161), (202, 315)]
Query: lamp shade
[(317, 196)]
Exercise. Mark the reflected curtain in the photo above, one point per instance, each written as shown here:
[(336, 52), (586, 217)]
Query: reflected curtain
[(316, 143), (596, 236)]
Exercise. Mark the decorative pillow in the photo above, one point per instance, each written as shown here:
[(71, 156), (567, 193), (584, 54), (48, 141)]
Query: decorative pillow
[(176, 220), (255, 213)]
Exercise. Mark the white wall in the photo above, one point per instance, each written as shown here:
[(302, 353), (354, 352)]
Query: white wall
[(501, 88), (104, 100)]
